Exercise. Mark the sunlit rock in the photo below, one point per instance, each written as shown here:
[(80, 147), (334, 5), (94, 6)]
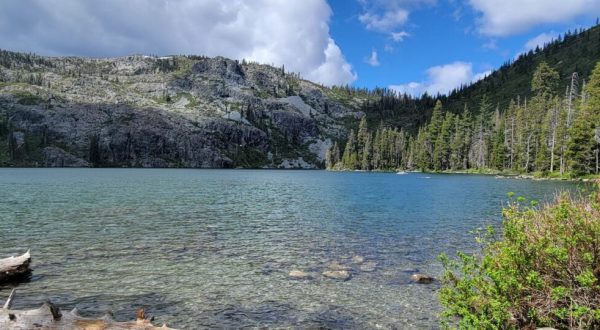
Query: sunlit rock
[(422, 279), (342, 275)]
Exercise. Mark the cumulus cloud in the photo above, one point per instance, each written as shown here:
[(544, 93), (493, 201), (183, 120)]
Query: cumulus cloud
[(399, 36), (384, 23), (373, 60), (508, 17), (442, 79), (540, 40), (290, 33), (388, 16)]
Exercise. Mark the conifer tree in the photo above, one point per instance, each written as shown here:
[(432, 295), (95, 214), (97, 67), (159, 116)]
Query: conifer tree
[(441, 154), (367, 153)]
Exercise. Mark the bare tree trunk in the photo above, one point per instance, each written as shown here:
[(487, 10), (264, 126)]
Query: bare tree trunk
[(528, 151), (554, 124), (597, 161), (512, 142), (49, 317), (13, 268)]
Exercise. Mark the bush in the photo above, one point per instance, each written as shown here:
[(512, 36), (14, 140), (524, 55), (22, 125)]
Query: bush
[(543, 272)]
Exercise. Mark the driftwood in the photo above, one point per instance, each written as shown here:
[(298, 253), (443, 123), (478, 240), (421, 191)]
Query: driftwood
[(50, 317), (14, 268)]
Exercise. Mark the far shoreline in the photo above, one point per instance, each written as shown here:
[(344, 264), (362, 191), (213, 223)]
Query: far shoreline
[(497, 174)]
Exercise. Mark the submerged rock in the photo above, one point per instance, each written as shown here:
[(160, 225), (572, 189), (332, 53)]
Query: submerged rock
[(337, 266), (368, 266), (342, 275), (299, 275), (358, 259), (421, 278)]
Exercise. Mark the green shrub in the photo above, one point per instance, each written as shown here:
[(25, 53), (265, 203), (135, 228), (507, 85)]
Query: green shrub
[(543, 272)]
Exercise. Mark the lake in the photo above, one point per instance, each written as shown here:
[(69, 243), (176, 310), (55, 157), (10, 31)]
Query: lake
[(213, 248)]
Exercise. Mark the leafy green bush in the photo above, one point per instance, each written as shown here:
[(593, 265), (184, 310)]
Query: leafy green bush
[(543, 272)]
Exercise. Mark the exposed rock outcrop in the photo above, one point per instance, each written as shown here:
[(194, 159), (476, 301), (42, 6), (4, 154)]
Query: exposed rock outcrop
[(56, 157), (180, 111)]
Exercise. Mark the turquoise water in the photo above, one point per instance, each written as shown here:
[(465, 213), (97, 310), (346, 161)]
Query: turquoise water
[(213, 248)]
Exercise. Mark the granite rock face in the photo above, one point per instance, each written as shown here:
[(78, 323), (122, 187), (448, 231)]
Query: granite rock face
[(141, 111)]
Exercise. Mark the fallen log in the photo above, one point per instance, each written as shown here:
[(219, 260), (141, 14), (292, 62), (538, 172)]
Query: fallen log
[(14, 268), (50, 317)]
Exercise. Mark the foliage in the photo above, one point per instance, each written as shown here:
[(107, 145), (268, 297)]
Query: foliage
[(546, 134), (574, 51), (543, 272)]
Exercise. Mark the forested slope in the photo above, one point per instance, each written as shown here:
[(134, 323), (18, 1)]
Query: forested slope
[(539, 114)]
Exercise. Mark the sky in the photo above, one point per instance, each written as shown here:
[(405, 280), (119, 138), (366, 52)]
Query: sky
[(411, 46)]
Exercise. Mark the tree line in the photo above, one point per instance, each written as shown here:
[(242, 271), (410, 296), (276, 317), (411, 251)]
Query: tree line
[(549, 133)]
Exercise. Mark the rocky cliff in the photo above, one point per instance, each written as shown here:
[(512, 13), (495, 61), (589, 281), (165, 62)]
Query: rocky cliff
[(179, 111)]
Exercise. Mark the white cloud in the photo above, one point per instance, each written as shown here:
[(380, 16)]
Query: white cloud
[(540, 40), (373, 60), (537, 41), (384, 23), (477, 77), (334, 70), (293, 33), (388, 16), (508, 17), (399, 36), (442, 79)]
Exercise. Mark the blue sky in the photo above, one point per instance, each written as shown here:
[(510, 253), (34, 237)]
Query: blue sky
[(438, 33), (411, 46)]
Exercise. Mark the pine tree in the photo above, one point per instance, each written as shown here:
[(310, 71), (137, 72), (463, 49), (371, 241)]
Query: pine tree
[(436, 121), (545, 80), (543, 84), (441, 153), (480, 138), (420, 149), (367, 154), (363, 132), (581, 144), (498, 154), (584, 144)]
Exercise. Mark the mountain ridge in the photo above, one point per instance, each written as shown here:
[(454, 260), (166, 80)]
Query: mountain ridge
[(175, 111), (196, 111)]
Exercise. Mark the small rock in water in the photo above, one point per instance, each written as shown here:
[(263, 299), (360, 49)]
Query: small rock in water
[(358, 259), (421, 278), (337, 266), (343, 275), (368, 266), (299, 275)]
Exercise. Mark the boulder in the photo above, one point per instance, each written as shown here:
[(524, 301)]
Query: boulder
[(342, 275), (299, 275), (368, 266), (358, 259), (337, 266), (421, 278)]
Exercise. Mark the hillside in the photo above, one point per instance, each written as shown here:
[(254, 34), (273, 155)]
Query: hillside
[(540, 114), (571, 52), (177, 111), (193, 111)]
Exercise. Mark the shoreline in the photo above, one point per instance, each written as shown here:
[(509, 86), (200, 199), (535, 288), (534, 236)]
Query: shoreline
[(497, 174)]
